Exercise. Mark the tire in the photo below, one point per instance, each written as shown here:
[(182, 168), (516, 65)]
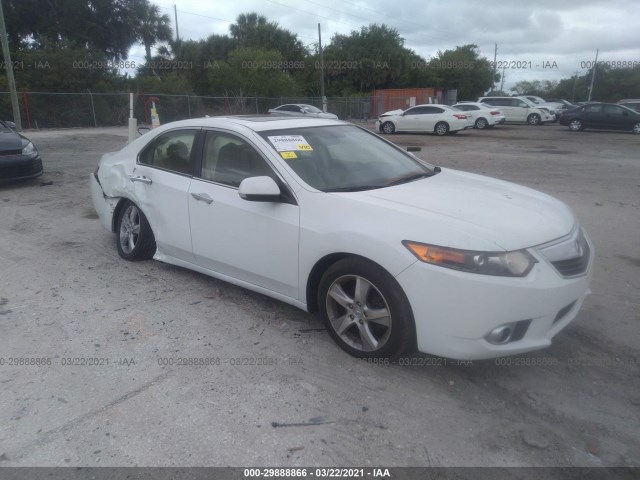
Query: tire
[(481, 123), (388, 127), (636, 128), (441, 128), (534, 119), (575, 125), (349, 292), (135, 238)]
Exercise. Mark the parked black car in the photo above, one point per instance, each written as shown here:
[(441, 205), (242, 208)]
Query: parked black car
[(19, 158), (608, 116)]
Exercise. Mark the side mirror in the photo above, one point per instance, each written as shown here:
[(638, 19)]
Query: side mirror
[(259, 189), (143, 130), (10, 124)]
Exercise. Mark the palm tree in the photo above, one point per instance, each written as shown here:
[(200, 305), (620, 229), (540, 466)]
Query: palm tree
[(151, 27)]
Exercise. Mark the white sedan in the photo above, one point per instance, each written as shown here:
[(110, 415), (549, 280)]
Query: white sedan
[(482, 114), (394, 253), (439, 119)]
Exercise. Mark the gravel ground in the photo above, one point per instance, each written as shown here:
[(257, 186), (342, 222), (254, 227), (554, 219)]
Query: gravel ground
[(283, 394)]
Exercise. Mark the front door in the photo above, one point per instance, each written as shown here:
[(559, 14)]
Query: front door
[(255, 242)]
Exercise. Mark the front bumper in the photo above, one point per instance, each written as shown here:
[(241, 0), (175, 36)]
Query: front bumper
[(455, 311), (19, 167)]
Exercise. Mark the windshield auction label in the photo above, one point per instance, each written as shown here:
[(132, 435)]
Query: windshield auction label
[(288, 155), (290, 143)]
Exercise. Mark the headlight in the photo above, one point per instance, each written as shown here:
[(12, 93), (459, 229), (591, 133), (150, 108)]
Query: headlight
[(29, 149), (507, 264)]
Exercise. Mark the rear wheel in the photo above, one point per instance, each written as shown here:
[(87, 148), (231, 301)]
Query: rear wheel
[(575, 125), (441, 128), (135, 238), (534, 119), (365, 310), (388, 127), (482, 123), (636, 128)]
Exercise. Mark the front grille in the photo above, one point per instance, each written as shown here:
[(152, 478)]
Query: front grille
[(6, 153), (570, 255), (26, 169), (574, 266)]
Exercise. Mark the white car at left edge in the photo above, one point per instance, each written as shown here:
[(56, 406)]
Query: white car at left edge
[(394, 253), (428, 118)]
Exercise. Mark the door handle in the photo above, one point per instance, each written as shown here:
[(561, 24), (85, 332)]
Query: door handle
[(202, 197), (138, 178)]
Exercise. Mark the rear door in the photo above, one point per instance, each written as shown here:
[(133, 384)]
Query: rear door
[(428, 118), (161, 180)]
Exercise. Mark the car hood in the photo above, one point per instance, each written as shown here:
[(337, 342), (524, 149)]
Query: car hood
[(505, 214), (10, 141), (392, 112)]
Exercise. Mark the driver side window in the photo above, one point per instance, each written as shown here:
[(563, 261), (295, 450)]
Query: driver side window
[(228, 159)]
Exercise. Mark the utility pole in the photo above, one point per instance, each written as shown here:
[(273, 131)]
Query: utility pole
[(593, 76), (324, 99), (495, 57), (9, 68), (502, 79), (175, 14)]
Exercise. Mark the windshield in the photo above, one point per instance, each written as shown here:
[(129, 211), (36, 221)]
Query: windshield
[(311, 109), (344, 158)]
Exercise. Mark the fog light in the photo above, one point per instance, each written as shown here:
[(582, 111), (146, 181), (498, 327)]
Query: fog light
[(500, 335)]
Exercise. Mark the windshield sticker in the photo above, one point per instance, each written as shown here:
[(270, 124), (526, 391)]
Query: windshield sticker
[(288, 155), (288, 143)]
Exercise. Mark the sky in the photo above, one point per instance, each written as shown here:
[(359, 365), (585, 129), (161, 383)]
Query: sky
[(553, 39)]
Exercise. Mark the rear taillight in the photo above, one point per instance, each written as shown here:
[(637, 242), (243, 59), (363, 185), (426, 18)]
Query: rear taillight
[(495, 113), (459, 116)]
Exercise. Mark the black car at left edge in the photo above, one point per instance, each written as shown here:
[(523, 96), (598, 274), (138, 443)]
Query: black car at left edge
[(605, 116), (19, 158)]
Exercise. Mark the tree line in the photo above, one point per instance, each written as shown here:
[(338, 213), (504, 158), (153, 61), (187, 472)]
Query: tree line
[(75, 46)]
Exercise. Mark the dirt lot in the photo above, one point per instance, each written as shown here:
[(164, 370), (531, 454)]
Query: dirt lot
[(284, 394)]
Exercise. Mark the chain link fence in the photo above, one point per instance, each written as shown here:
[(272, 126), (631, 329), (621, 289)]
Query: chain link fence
[(92, 109)]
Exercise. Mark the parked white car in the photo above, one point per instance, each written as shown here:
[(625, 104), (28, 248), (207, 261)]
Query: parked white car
[(517, 109), (482, 115), (429, 118), (302, 109), (395, 253)]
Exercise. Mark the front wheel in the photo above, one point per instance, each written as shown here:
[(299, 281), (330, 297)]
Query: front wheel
[(365, 310), (534, 119), (135, 237), (636, 128), (388, 127), (442, 128), (575, 125)]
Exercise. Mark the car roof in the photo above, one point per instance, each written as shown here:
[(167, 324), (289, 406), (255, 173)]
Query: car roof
[(477, 104), (255, 122), (295, 104)]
